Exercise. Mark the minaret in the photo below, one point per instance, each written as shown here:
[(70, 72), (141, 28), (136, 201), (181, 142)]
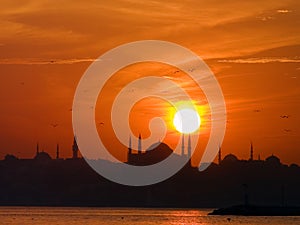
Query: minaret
[(129, 150), (140, 145), (220, 156), (57, 151), (182, 145), (251, 152), (129, 146), (75, 149), (189, 149)]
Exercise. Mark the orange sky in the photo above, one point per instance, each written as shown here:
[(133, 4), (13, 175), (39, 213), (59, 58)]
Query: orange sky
[(253, 47)]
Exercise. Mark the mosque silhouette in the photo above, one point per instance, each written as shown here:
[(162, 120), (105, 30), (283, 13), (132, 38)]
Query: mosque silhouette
[(42, 180)]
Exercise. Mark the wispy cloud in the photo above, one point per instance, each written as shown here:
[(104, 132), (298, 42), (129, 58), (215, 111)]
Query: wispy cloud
[(44, 61), (262, 60), (283, 11)]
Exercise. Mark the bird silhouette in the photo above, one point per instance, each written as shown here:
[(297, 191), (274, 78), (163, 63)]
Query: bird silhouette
[(285, 116), (287, 130), (257, 110), (54, 125)]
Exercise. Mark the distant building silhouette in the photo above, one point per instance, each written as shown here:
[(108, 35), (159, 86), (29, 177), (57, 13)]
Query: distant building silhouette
[(156, 153), (230, 158), (273, 160), (189, 149), (129, 147), (251, 151), (57, 151), (10, 157), (42, 180), (140, 144), (42, 156), (75, 148), (182, 145)]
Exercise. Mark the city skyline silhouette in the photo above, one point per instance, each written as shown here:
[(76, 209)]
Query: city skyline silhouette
[(36, 180)]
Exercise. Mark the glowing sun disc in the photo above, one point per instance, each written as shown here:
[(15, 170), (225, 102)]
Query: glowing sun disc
[(186, 121)]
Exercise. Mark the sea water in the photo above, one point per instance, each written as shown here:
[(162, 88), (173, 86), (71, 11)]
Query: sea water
[(132, 216)]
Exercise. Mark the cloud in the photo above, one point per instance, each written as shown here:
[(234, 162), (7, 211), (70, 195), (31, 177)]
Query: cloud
[(283, 11), (261, 60), (44, 61), (216, 28)]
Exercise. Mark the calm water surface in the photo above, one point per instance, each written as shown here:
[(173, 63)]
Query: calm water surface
[(134, 216)]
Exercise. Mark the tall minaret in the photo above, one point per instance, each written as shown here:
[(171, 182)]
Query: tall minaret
[(189, 148), (129, 150), (129, 146), (57, 151), (75, 149), (182, 145), (251, 152), (220, 156), (140, 145)]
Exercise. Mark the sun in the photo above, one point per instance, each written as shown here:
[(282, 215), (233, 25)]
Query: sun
[(187, 121)]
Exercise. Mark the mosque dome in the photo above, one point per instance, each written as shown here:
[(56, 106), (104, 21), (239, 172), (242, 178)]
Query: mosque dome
[(10, 157), (42, 156), (230, 158), (273, 160)]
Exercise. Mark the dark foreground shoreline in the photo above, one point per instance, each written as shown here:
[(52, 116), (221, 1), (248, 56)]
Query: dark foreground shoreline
[(252, 210)]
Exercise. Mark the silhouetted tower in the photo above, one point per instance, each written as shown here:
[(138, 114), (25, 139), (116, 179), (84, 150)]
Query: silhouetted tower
[(37, 148), (251, 151), (140, 145), (129, 146), (57, 151), (75, 149), (219, 156), (189, 149), (182, 145)]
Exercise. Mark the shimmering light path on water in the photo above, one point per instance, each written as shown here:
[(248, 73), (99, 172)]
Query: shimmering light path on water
[(132, 216)]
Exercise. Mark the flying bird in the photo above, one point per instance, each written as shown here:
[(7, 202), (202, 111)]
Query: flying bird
[(287, 130), (54, 125), (284, 116), (257, 110)]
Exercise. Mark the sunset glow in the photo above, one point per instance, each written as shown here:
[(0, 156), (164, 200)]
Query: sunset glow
[(252, 47), (186, 121)]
